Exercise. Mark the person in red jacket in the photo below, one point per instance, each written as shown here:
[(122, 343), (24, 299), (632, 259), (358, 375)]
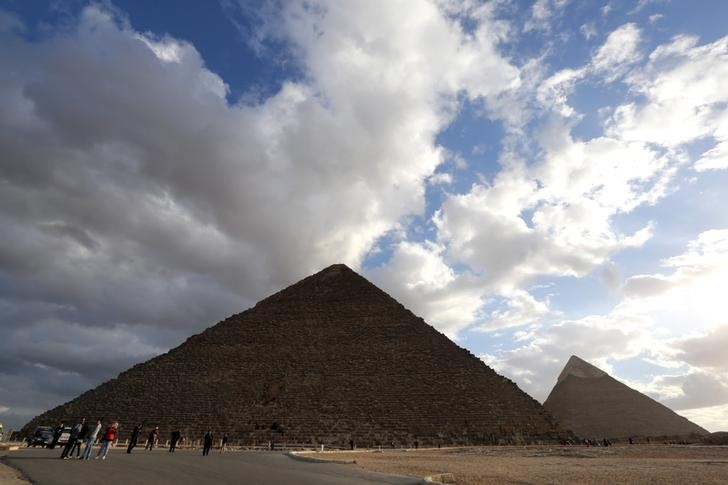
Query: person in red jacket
[(109, 437)]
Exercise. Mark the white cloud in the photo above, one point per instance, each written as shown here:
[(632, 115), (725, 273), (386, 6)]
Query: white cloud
[(554, 92), (706, 351), (612, 60), (714, 159), (692, 292), (570, 197), (644, 3), (521, 309), (618, 52), (554, 217), (683, 99), (691, 391), (536, 364), (711, 418), (440, 178), (542, 14), (588, 30), (418, 277)]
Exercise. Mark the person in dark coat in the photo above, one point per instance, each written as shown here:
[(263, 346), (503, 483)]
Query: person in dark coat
[(207, 443), (152, 440), (173, 442), (56, 435), (79, 440), (134, 438), (72, 439)]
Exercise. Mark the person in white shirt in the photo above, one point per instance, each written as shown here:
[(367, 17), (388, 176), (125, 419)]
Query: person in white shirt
[(90, 440)]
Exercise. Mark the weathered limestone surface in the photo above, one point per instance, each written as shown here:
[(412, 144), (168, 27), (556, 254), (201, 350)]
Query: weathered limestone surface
[(326, 360), (592, 404)]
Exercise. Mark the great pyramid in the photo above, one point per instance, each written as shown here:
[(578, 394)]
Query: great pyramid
[(328, 359), (592, 404)]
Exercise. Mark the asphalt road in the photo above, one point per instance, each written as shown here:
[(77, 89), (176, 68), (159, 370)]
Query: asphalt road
[(43, 467)]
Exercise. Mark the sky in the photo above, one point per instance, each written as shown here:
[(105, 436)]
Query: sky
[(535, 179)]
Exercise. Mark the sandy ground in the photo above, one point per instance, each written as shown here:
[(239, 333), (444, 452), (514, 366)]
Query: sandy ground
[(11, 476), (657, 464)]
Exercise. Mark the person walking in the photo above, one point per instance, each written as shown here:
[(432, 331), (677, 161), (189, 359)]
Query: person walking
[(134, 438), (79, 440), (207, 443), (90, 439), (173, 443), (223, 443), (56, 435), (109, 437), (152, 440), (72, 438)]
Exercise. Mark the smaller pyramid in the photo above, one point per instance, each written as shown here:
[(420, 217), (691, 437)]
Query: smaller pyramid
[(593, 404)]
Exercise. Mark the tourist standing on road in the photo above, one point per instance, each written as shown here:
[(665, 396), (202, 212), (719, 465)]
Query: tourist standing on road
[(134, 438), (79, 439), (109, 437), (90, 438), (56, 435), (152, 440), (223, 443), (207, 443), (72, 439), (173, 443)]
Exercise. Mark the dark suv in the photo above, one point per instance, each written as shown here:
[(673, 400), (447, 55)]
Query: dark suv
[(43, 436)]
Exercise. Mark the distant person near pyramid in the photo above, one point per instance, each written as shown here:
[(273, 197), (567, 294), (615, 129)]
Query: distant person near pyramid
[(594, 405), (329, 360)]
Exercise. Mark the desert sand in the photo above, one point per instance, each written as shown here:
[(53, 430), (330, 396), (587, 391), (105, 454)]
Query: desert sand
[(663, 464)]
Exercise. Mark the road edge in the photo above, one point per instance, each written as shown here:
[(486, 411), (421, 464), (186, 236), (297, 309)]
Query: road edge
[(438, 479), (20, 478), (300, 456)]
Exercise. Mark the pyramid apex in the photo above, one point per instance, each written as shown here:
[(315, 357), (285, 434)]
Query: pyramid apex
[(336, 268), (578, 367), (332, 271)]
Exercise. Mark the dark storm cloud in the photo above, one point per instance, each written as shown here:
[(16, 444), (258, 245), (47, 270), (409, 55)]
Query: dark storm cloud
[(137, 206)]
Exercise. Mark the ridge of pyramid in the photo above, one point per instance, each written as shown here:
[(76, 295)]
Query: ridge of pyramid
[(580, 368), (335, 282)]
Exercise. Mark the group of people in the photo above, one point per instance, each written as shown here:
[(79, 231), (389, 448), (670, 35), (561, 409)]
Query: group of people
[(209, 439), (588, 442), (82, 433), (153, 439)]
